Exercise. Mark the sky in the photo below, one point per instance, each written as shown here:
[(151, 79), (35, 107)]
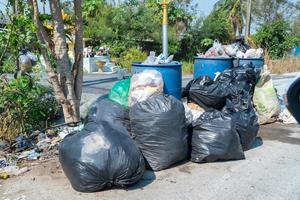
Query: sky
[(204, 6)]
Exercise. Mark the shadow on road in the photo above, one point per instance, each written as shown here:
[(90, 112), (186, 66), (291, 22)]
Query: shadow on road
[(147, 179)]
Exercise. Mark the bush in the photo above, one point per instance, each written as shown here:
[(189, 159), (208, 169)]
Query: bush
[(276, 37), (25, 106), (130, 56), (8, 66)]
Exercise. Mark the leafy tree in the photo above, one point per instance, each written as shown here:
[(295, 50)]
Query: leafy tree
[(235, 11), (276, 37)]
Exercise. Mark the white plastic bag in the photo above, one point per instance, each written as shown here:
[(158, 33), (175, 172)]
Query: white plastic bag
[(144, 85), (217, 50), (265, 98)]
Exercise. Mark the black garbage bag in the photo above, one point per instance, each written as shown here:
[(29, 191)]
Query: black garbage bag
[(207, 93), (215, 138), (244, 77), (100, 157), (105, 110), (158, 128), (241, 109)]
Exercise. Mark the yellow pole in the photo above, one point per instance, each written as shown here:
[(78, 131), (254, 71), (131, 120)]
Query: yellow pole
[(165, 12)]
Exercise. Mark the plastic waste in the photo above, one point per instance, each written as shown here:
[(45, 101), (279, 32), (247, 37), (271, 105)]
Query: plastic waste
[(207, 93), (144, 85), (214, 138), (286, 117), (104, 110), (265, 98), (23, 143), (119, 93), (158, 127), (100, 157), (192, 112), (110, 67), (25, 63), (254, 53), (14, 170), (161, 59), (217, 50)]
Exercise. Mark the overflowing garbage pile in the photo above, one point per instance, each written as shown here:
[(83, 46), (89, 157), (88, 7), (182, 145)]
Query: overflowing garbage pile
[(155, 60), (237, 49), (138, 127)]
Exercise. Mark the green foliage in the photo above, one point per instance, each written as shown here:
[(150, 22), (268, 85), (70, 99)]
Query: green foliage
[(20, 33), (25, 105), (206, 43), (130, 56), (8, 66), (199, 37), (134, 24), (276, 37)]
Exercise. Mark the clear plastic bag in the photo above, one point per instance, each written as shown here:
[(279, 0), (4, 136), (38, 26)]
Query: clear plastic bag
[(144, 85)]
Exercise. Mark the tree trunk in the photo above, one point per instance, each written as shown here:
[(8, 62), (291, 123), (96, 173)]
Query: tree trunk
[(65, 78), (248, 19)]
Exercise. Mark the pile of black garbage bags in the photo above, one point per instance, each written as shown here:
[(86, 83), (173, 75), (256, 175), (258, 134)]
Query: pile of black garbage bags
[(117, 144), (229, 126)]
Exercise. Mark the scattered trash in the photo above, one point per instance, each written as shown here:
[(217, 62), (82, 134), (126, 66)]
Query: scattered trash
[(265, 99), (67, 130), (161, 59), (3, 144), (30, 155), (119, 93), (144, 85), (13, 170), (100, 157), (158, 128), (23, 143), (286, 117), (214, 138)]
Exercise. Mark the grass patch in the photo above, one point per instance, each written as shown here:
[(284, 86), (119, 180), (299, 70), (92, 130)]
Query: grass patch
[(187, 67), (285, 65)]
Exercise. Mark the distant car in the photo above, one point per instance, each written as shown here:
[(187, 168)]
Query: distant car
[(293, 99)]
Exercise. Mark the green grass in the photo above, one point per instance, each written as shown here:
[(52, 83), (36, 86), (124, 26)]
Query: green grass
[(187, 67)]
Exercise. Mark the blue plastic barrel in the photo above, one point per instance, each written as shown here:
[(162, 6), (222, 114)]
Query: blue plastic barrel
[(257, 62), (171, 74), (210, 66), (296, 51)]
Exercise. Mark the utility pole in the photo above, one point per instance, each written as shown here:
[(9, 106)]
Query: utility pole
[(165, 28), (248, 19)]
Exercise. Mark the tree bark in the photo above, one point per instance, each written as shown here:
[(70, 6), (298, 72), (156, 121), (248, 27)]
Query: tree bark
[(65, 78), (248, 19)]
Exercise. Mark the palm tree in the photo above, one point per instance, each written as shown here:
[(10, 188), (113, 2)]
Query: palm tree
[(235, 11)]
